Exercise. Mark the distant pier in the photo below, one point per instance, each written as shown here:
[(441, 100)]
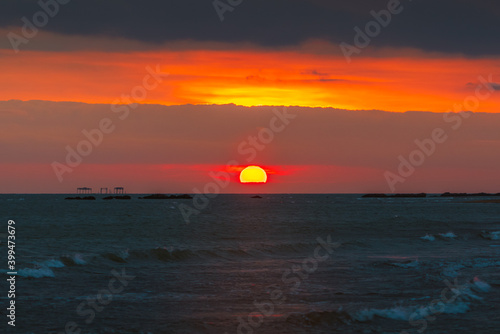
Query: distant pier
[(84, 190)]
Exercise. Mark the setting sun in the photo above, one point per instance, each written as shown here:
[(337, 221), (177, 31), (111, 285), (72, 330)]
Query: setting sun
[(253, 174)]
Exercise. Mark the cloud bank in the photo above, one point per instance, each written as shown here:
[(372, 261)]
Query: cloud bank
[(466, 27), (173, 148)]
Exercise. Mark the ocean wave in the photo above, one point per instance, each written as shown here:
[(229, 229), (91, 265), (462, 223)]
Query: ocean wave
[(396, 313), (36, 272), (43, 268), (121, 257), (353, 244), (448, 235), (158, 253), (318, 318), (164, 254), (73, 260), (284, 247), (490, 235), (169, 254), (52, 263), (465, 294), (480, 286), (411, 312), (407, 264), (78, 258), (113, 257), (451, 270), (485, 263), (428, 237)]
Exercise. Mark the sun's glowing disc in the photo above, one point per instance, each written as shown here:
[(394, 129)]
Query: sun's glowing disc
[(253, 174)]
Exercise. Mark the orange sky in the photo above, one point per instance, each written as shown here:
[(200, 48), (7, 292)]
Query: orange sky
[(249, 78), (324, 151)]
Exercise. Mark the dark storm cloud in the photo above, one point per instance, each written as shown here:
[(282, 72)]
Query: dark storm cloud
[(464, 26)]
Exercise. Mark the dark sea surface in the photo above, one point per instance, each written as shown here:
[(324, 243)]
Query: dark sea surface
[(278, 264)]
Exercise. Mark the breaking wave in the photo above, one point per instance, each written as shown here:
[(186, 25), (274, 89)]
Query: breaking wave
[(449, 235), (428, 237), (460, 303), (36, 272)]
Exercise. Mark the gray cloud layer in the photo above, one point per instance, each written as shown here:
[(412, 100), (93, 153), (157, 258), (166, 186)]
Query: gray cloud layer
[(467, 26)]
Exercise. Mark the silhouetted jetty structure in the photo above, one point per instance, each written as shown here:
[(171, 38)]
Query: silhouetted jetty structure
[(84, 190), (103, 191), (119, 190)]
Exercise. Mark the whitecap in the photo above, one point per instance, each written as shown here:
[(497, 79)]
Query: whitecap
[(411, 264), (78, 258), (36, 273), (480, 286), (449, 235), (491, 235), (412, 312), (52, 264), (428, 237), (461, 304), (124, 254)]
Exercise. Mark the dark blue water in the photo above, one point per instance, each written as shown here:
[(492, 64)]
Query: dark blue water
[(279, 264)]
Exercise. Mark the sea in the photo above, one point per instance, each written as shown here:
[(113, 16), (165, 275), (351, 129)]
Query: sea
[(281, 263)]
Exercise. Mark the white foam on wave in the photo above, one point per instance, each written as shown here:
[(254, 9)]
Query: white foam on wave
[(412, 312), (78, 258), (449, 235), (452, 270), (464, 295), (36, 272), (124, 254), (468, 292), (480, 286), (457, 308), (485, 263), (428, 237), (412, 264), (491, 235)]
